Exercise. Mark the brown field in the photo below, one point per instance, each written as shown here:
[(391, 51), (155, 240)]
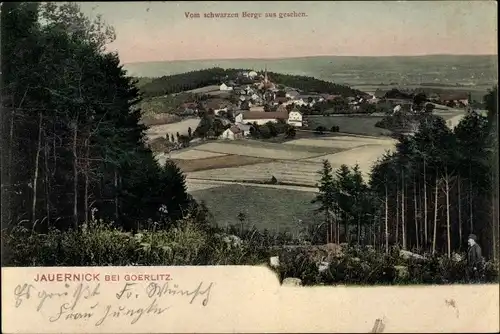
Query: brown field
[(217, 162), (160, 119)]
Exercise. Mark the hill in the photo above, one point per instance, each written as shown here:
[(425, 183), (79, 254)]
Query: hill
[(192, 80), (400, 70)]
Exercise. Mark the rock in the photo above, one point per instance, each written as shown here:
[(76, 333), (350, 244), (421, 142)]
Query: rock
[(292, 281), (323, 266), (232, 240), (407, 255), (334, 250), (274, 261), (401, 271)]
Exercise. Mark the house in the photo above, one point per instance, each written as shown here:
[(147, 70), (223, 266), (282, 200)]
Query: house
[(232, 133), (262, 117), (245, 128), (300, 102), (224, 87), (255, 97), (292, 94), (455, 98), (252, 74), (295, 118), (239, 116)]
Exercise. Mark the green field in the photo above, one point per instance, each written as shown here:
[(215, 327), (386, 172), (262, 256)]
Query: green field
[(264, 208), (360, 125)]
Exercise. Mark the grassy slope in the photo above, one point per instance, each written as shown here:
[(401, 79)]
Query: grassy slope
[(274, 209)]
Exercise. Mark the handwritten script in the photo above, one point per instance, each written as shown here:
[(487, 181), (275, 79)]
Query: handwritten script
[(132, 301)]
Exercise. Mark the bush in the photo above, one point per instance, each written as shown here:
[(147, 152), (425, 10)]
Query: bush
[(320, 130), (335, 128), (365, 266), (101, 244), (188, 243)]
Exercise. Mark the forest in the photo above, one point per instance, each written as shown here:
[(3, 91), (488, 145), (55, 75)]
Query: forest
[(439, 186), (80, 187), (71, 139)]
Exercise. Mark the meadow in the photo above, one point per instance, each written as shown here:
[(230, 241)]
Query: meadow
[(181, 127), (274, 209)]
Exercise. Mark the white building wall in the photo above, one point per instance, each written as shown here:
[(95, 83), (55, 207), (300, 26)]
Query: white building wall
[(260, 121), (228, 134)]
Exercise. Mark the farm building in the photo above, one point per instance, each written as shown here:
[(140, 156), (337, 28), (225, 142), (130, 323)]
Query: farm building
[(261, 117), (295, 118), (232, 133), (455, 98)]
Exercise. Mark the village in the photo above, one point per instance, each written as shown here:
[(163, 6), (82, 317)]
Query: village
[(252, 99)]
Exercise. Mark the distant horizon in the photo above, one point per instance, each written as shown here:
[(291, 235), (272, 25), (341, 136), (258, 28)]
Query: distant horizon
[(314, 56), (163, 31)]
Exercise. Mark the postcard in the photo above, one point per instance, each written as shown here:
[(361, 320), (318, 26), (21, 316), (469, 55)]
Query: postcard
[(255, 167)]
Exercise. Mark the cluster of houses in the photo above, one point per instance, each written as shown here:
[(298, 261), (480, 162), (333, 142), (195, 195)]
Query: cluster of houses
[(261, 102)]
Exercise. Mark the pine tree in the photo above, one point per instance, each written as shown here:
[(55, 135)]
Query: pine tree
[(325, 197)]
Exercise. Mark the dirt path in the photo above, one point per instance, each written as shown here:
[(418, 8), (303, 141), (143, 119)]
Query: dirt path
[(200, 184)]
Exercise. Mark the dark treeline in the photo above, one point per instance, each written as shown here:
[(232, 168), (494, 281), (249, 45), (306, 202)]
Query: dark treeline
[(310, 84), (215, 76), (72, 145), (427, 196), (176, 83)]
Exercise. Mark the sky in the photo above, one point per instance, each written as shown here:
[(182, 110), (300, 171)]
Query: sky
[(159, 31)]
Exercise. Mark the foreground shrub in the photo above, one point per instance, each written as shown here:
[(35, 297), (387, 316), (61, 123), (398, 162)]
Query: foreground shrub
[(365, 266), (188, 243)]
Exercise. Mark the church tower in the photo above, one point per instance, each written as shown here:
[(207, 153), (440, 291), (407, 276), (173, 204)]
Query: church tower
[(266, 80)]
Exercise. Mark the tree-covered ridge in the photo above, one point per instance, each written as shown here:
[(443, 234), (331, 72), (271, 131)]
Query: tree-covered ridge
[(310, 84), (177, 83), (72, 144), (439, 186)]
